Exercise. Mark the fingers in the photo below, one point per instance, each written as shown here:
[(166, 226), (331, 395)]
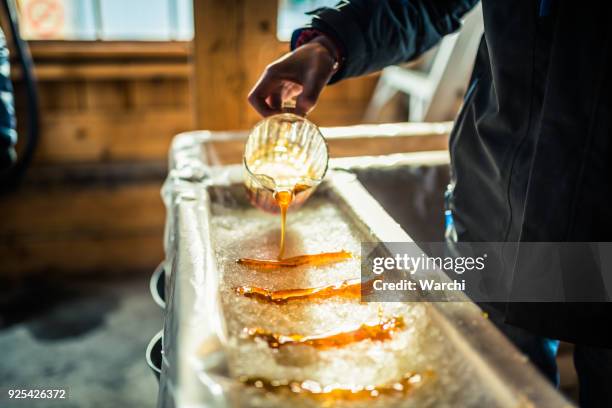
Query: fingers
[(258, 101), (265, 96), (275, 101), (290, 91), (307, 99), (269, 93), (302, 73)]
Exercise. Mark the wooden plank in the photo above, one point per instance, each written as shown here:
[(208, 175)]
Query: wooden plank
[(112, 94), (119, 135), (220, 74), (70, 211), (43, 49), (160, 93), (260, 47), (82, 256), (106, 96), (129, 70), (88, 174), (53, 96)]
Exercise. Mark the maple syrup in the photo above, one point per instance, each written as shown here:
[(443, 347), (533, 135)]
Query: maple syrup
[(350, 289), (285, 187), (324, 258), (408, 383), (269, 178), (380, 331), (283, 199), (274, 186)]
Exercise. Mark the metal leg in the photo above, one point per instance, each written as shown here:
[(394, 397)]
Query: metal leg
[(381, 96)]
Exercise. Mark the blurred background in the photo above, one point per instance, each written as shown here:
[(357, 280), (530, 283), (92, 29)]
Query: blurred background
[(115, 81)]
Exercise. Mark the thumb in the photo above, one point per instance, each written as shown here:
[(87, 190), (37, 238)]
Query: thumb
[(309, 96)]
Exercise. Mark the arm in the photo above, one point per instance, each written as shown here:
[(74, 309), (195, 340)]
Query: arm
[(373, 34), (367, 34)]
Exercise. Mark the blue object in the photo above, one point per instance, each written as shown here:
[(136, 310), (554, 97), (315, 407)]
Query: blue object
[(8, 135)]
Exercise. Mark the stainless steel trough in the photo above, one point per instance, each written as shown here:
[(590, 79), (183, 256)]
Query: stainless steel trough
[(209, 223)]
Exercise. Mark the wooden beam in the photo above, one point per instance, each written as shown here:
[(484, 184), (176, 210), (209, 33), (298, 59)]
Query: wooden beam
[(260, 47), (94, 210), (67, 230), (96, 50), (97, 135), (234, 41), (77, 255), (105, 71), (220, 75), (103, 60)]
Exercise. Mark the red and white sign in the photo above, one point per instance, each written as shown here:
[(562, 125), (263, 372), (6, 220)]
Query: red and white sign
[(42, 19)]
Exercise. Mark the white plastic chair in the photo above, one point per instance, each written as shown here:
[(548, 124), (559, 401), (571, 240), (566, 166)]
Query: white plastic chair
[(433, 94)]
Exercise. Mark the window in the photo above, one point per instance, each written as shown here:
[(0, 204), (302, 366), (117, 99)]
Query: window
[(291, 15), (147, 20)]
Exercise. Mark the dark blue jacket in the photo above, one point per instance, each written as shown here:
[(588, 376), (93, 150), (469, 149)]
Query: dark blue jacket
[(532, 146), (8, 135)]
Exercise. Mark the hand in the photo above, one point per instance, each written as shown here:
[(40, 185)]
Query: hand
[(302, 73)]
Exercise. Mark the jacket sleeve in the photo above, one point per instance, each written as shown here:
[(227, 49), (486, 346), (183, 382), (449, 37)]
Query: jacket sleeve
[(8, 135), (376, 33)]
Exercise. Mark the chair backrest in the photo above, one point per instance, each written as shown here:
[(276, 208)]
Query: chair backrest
[(451, 68), (435, 93)]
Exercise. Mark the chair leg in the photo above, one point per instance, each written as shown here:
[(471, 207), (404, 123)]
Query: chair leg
[(418, 108), (383, 93)]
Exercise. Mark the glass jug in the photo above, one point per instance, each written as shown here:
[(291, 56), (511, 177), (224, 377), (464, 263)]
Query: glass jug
[(285, 158)]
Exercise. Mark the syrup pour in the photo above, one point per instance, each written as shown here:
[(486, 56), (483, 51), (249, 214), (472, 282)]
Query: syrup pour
[(289, 184), (283, 199), (313, 389), (348, 289), (380, 331)]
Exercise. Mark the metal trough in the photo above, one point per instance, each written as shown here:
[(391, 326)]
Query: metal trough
[(473, 364)]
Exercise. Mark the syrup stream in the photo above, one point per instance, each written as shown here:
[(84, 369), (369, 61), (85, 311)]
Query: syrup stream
[(283, 199)]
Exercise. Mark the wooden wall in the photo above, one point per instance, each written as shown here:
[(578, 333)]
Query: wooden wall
[(91, 202), (107, 102)]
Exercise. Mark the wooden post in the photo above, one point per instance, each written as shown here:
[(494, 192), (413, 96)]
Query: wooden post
[(233, 41)]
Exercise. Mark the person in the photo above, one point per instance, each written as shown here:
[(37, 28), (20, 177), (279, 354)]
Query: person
[(530, 149), (8, 134)]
